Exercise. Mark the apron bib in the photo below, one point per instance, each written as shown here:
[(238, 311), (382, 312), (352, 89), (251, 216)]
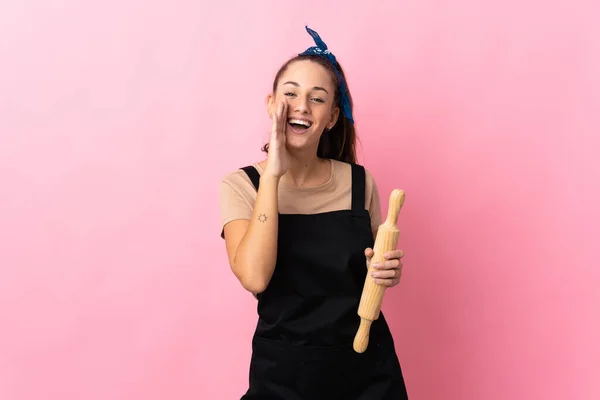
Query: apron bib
[(302, 346)]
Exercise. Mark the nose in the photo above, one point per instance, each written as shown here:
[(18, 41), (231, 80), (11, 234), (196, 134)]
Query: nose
[(301, 105)]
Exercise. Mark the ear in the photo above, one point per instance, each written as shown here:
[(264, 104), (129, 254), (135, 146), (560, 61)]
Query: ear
[(270, 102), (334, 117)]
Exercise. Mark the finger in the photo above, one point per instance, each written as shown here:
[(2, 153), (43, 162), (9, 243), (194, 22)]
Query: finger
[(284, 122), (392, 264), (386, 274), (368, 256), (283, 118), (276, 119), (387, 282), (394, 254)]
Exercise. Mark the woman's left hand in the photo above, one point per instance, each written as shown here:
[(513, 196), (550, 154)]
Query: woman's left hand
[(389, 271)]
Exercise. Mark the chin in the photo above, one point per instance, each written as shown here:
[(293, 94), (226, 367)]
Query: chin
[(299, 144)]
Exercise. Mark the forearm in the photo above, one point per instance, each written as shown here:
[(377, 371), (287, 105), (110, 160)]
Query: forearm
[(256, 254)]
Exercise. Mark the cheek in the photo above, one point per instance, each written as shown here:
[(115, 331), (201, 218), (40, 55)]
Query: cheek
[(324, 116)]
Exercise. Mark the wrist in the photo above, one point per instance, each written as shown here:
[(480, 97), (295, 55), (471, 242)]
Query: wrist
[(270, 178)]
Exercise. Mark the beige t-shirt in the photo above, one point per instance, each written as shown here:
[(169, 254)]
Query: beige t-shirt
[(237, 195)]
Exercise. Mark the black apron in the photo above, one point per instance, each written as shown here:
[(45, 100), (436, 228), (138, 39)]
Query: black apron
[(302, 346)]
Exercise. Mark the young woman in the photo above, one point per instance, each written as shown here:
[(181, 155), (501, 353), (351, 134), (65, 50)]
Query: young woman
[(299, 228)]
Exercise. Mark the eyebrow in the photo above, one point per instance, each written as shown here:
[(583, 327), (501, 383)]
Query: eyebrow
[(314, 87)]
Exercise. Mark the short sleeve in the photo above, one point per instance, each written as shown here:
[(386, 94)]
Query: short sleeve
[(373, 201), (235, 202)]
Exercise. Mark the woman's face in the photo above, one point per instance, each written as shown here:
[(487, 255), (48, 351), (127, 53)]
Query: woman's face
[(308, 89)]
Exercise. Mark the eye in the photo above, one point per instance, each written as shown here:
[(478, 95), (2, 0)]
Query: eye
[(289, 94), (318, 100)]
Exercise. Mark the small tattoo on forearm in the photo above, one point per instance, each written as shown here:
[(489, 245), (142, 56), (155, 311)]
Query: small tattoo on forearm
[(262, 218)]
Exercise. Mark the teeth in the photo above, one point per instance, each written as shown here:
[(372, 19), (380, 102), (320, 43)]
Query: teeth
[(299, 122)]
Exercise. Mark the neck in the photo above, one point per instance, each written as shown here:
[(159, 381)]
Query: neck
[(304, 169)]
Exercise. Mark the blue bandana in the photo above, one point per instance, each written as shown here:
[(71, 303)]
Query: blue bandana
[(321, 50)]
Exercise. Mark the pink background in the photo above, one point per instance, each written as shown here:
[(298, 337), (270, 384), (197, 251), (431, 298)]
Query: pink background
[(118, 118)]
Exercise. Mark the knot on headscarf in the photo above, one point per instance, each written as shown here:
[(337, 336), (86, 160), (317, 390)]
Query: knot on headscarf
[(321, 49)]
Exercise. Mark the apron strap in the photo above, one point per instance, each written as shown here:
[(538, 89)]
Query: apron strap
[(253, 175), (358, 184), (358, 188)]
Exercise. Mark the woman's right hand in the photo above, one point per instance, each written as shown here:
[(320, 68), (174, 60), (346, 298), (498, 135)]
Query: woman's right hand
[(278, 157)]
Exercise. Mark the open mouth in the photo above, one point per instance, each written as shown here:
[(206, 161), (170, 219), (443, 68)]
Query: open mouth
[(299, 126)]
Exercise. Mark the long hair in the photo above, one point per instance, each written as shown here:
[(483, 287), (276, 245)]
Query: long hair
[(338, 143)]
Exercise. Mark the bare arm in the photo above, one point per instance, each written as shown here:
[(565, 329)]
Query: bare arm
[(252, 245)]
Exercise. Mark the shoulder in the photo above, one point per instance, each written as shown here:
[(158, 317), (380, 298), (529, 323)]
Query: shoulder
[(237, 196), (238, 180), (372, 199), (236, 187), (371, 185), (344, 170), (371, 190), (369, 179), (235, 179)]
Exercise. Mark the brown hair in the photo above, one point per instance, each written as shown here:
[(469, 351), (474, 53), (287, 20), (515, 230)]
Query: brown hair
[(338, 143)]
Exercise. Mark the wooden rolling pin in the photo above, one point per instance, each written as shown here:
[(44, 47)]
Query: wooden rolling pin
[(372, 294)]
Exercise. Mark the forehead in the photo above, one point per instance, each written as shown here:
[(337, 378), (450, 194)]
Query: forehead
[(308, 74)]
